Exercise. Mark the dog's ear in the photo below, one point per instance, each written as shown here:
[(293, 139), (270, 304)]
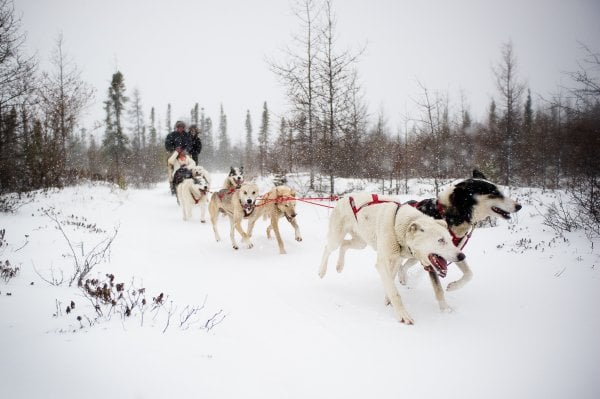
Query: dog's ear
[(241, 169), (414, 227), (478, 175), (231, 171), (292, 193)]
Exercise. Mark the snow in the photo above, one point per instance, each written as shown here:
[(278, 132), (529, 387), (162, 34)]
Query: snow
[(526, 326)]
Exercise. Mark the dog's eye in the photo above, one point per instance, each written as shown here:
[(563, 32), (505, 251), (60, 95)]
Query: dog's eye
[(442, 241)]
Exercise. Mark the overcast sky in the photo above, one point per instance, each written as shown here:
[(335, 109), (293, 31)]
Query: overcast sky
[(213, 52)]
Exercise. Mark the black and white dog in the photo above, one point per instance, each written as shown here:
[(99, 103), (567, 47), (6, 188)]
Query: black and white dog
[(462, 206), (234, 179)]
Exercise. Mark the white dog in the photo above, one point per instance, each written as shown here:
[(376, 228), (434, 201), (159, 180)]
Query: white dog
[(194, 191), (396, 232)]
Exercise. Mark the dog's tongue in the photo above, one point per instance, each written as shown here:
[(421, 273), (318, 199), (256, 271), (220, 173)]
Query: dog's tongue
[(439, 263)]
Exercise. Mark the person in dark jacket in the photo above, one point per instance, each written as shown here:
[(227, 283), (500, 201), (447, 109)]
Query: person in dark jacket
[(178, 140), (196, 143)]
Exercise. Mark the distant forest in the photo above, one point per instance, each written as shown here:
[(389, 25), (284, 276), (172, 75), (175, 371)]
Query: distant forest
[(328, 132)]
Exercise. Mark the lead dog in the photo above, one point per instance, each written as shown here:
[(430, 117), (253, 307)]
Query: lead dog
[(280, 201), (194, 191), (462, 206), (396, 232), (237, 204)]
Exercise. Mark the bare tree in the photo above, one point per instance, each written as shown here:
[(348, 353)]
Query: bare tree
[(16, 86), (297, 74), (587, 79), (511, 92), (434, 125), (354, 128), (336, 74), (16, 69), (64, 95)]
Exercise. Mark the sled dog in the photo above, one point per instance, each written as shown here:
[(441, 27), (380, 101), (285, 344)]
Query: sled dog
[(193, 191), (396, 232), (176, 161), (462, 206), (278, 202), (234, 179), (237, 204)]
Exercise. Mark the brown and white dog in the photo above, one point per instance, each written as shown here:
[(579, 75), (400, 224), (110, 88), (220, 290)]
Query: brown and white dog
[(237, 204), (194, 191), (278, 202)]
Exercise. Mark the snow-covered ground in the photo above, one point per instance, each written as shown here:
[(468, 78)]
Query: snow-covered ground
[(527, 325)]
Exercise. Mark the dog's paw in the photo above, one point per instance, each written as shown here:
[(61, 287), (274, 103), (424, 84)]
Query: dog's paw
[(249, 245), (445, 308), (203, 221), (298, 238), (455, 285), (322, 272), (236, 247), (404, 317)]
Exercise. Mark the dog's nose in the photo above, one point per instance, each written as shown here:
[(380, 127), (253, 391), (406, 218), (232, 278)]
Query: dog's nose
[(461, 256), (249, 201), (518, 207)]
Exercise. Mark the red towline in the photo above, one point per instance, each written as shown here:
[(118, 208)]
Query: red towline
[(308, 200)]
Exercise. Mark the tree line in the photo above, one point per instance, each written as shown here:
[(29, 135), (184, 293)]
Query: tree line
[(328, 130)]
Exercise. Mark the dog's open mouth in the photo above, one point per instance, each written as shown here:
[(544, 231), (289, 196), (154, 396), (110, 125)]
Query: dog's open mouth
[(501, 212), (438, 263), (248, 208)]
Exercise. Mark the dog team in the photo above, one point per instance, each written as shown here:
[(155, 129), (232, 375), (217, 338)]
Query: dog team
[(432, 232)]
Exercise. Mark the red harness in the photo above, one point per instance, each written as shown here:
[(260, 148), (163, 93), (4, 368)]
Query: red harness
[(223, 193), (375, 201)]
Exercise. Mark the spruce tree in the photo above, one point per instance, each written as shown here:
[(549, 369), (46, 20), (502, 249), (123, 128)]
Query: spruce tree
[(249, 145), (224, 152), (208, 143), (115, 143), (263, 139)]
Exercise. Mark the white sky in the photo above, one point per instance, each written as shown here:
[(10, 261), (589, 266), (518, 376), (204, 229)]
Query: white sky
[(212, 52)]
